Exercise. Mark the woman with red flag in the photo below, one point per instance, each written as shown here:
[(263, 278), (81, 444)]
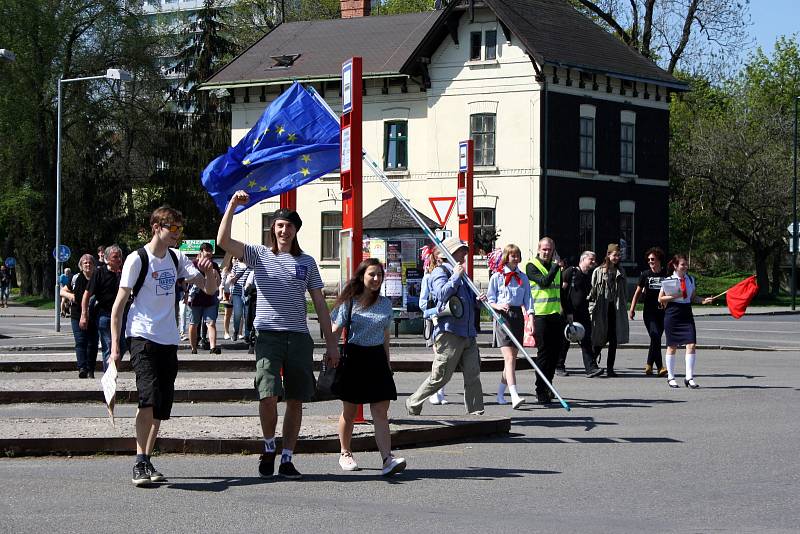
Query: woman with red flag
[(677, 294)]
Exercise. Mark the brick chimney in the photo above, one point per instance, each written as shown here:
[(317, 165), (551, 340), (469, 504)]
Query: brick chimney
[(355, 8)]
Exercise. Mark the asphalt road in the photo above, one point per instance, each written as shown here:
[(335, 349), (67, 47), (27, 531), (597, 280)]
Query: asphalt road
[(752, 331), (631, 456)]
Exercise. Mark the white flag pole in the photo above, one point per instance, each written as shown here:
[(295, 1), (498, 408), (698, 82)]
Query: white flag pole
[(376, 170)]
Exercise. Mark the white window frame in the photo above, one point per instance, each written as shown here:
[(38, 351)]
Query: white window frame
[(482, 56), (628, 208), (627, 120), (587, 205), (587, 117)]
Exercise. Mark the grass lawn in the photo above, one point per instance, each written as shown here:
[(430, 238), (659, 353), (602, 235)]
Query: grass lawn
[(32, 301)]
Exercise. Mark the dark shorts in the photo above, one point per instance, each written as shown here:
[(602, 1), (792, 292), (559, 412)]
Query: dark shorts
[(156, 367), (294, 353)]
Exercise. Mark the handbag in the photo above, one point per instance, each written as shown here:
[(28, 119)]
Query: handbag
[(528, 340), (330, 376)]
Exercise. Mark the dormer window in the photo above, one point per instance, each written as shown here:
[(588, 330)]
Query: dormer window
[(284, 61)]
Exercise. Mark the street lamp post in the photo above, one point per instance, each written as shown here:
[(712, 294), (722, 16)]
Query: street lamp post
[(794, 210), (111, 74)]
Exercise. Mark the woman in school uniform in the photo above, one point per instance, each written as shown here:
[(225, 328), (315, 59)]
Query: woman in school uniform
[(677, 294)]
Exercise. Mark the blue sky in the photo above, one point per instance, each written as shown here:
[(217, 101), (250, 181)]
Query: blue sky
[(772, 18)]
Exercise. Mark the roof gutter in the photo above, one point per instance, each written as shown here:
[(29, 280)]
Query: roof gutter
[(210, 86)]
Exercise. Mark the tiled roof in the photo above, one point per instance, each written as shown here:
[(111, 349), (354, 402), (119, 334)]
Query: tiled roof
[(384, 43), (555, 33)]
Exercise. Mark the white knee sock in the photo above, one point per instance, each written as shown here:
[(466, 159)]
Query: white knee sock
[(670, 366), (690, 357), (513, 391)]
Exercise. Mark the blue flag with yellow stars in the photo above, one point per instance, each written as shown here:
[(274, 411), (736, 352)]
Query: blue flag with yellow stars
[(295, 141)]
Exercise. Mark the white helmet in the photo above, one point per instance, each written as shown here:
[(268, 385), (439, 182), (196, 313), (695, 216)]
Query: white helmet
[(574, 332)]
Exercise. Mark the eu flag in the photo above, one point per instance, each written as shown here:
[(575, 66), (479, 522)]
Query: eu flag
[(295, 141)]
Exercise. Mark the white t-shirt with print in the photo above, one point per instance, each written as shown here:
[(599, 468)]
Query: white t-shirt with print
[(152, 314)]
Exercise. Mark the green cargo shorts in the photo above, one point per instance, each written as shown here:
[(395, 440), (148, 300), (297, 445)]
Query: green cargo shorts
[(294, 353)]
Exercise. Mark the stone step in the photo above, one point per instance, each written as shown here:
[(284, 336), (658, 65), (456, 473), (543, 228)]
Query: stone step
[(227, 435)]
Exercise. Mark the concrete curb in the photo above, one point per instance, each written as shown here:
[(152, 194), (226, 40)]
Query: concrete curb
[(441, 431)]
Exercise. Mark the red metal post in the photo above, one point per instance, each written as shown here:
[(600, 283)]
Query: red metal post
[(289, 199), (351, 169), (466, 220)]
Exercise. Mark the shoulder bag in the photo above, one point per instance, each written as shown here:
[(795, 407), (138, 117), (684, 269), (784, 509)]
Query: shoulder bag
[(329, 376)]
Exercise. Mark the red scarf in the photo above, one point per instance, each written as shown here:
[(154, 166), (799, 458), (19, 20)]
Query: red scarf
[(512, 275)]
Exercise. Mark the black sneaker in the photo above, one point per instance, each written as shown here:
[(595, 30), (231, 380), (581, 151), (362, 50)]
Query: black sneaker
[(562, 371), (140, 475), (215, 350), (287, 470), (266, 465), (155, 476), (83, 373), (594, 373)]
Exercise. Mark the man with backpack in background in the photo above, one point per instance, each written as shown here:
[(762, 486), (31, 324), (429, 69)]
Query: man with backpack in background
[(147, 284)]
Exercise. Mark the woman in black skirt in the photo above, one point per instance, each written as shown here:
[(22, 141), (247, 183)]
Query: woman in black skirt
[(364, 375), (678, 296)]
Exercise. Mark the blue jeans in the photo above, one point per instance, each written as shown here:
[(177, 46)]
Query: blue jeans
[(104, 331), (85, 345), (238, 316)]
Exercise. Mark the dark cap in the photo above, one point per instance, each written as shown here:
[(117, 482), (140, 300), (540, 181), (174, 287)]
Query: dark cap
[(285, 214)]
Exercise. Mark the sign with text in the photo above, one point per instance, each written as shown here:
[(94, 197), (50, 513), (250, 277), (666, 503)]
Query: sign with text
[(462, 201), (462, 156), (345, 149), (192, 246), (347, 86)]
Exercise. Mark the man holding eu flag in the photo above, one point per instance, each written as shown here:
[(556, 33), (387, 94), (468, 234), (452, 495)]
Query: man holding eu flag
[(295, 141)]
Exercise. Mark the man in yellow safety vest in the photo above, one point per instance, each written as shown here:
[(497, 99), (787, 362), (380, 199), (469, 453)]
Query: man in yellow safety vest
[(545, 277)]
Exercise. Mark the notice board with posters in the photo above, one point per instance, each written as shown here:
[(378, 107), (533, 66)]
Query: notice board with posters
[(402, 267)]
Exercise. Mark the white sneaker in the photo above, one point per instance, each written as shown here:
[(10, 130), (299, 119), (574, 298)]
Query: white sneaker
[(227, 336), (393, 465), (442, 400), (434, 399), (347, 462), (517, 402)]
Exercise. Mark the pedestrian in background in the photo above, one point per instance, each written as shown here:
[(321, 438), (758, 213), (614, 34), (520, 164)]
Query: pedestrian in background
[(225, 294), (103, 287), (576, 287), (5, 286), (85, 340), (64, 281), (431, 258), (679, 319), (365, 376), (653, 314), (239, 273), (101, 256), (544, 273), (205, 307), (509, 294), (609, 307)]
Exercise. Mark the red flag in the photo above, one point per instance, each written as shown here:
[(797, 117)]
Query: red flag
[(740, 295)]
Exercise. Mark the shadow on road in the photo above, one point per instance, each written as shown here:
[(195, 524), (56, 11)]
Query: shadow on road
[(598, 404), (588, 423), (215, 484)]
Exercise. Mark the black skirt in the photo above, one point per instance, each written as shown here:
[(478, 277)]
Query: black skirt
[(679, 324), (515, 321), (364, 376)]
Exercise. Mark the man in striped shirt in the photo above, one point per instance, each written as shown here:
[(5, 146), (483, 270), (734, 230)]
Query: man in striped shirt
[(283, 274)]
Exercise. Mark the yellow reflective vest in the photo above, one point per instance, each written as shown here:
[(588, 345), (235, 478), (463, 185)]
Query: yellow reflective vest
[(546, 301)]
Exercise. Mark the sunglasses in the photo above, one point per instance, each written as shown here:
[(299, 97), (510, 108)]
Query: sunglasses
[(174, 228)]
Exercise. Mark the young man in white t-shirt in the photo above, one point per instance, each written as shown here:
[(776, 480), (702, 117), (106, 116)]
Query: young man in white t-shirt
[(152, 331), (283, 275)]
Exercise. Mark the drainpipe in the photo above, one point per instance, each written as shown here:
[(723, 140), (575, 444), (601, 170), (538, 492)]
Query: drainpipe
[(546, 147)]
